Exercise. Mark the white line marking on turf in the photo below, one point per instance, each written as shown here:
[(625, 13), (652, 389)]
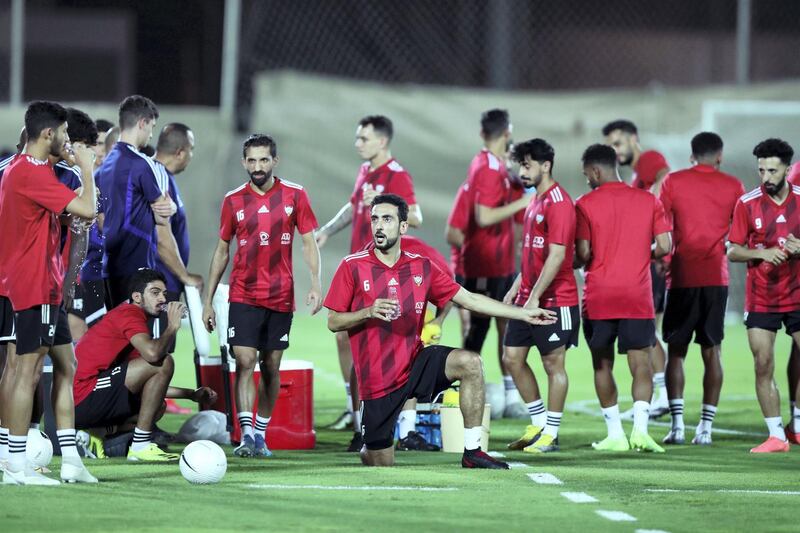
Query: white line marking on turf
[(650, 531), (616, 516), (349, 487), (733, 491), (544, 478), (518, 465), (496, 455), (579, 497)]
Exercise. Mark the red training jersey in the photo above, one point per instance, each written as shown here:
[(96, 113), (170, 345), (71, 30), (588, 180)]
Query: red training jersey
[(549, 219), (699, 202), (32, 199), (758, 222), (489, 252), (794, 174), (415, 245), (620, 223), (107, 344), (389, 178), (648, 166), (459, 218), (263, 227), (384, 351)]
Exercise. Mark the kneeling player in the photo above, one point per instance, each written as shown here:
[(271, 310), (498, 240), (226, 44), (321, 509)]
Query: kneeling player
[(546, 279), (379, 298)]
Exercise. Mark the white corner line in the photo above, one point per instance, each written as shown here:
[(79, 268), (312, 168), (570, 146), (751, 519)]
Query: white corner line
[(616, 516), (518, 465), (496, 455), (544, 478), (349, 487), (579, 497)]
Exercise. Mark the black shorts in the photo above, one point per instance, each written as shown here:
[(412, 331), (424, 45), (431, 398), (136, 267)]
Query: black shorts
[(258, 327), (6, 321), (110, 403), (426, 379), (547, 339), (89, 303), (769, 321), (160, 323), (698, 310), (633, 333), (495, 288), (43, 325), (659, 288)]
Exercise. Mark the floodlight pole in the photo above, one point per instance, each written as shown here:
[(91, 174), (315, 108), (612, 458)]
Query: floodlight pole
[(501, 21), (17, 52), (743, 30), (230, 61)]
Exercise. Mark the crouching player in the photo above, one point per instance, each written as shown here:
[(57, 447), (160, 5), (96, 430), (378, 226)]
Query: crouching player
[(124, 373), (379, 297)]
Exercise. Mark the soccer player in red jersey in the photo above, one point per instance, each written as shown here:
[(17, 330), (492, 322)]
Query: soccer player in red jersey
[(378, 297), (488, 250), (261, 216), (546, 280), (766, 223), (793, 368), (124, 373), (699, 200), (31, 199), (379, 174), (616, 225), (454, 231), (649, 169)]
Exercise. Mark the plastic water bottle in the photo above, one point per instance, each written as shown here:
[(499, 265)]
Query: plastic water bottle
[(396, 299)]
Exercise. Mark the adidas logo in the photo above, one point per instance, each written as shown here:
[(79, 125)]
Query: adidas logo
[(780, 219), (263, 209), (553, 338), (393, 282), (285, 337)]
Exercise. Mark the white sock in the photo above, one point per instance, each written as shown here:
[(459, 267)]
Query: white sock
[(796, 419), (407, 422), (66, 441), (472, 438), (676, 409), (707, 414), (34, 425), (537, 412), (357, 421), (775, 426), (641, 415), (349, 397), (553, 423), (3, 444), (245, 423), (261, 425), (141, 439), (16, 452), (660, 385), (613, 422), (512, 394)]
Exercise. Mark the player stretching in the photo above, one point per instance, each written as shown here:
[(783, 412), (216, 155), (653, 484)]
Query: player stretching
[(378, 298), (649, 169), (699, 200), (764, 232), (546, 280), (616, 225), (261, 217)]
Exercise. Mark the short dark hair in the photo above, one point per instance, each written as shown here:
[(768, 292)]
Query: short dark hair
[(600, 154), (494, 123), (260, 139), (23, 140), (538, 150), (706, 143), (774, 148), (142, 277), (380, 124), (42, 115), (173, 138), (103, 125), (402, 206), (622, 124), (135, 108), (80, 127)]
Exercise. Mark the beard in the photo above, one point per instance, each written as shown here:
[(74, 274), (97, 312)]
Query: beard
[(57, 146), (774, 188), (388, 242), (260, 178), (625, 160)]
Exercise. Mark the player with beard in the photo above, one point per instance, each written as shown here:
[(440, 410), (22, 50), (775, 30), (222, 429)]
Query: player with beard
[(31, 199), (261, 216), (649, 169), (546, 280), (766, 223), (375, 296)]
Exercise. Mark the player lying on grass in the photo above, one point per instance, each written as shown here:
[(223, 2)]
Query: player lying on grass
[(124, 373), (379, 297)]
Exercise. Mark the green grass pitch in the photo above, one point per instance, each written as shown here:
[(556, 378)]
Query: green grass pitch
[(721, 488)]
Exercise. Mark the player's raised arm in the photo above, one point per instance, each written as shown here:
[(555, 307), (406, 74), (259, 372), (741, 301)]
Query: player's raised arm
[(340, 221), (482, 304), (85, 204)]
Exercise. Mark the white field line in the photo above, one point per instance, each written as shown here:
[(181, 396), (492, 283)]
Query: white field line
[(592, 408), (616, 516), (650, 531), (579, 497), (350, 487), (544, 478), (518, 465), (496, 455), (732, 491)]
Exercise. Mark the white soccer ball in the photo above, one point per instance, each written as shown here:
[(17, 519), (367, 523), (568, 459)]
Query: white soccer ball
[(203, 462), (496, 397), (39, 449)]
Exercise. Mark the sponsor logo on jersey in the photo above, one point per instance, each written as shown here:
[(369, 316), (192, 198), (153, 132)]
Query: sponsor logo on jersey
[(263, 209), (286, 238), (780, 219), (538, 242), (264, 236), (419, 305), (418, 280), (379, 188), (393, 282)]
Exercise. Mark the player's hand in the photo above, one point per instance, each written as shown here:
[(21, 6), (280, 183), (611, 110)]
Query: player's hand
[(532, 303), (204, 395), (321, 237), (83, 156), (209, 318), (314, 299), (163, 207), (774, 256), (193, 280), (792, 245), (508, 299), (538, 316), (383, 309), (175, 314), (368, 195)]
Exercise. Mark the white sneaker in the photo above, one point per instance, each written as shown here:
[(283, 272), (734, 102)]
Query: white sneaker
[(702, 438), (675, 436), (76, 473), (27, 477), (83, 442)]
